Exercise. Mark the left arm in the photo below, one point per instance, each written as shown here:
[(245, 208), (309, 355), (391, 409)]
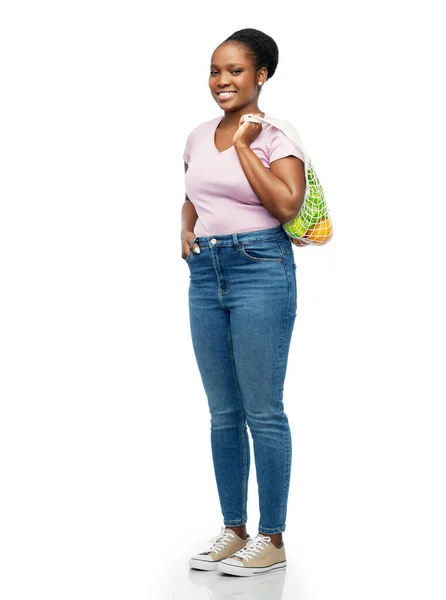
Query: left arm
[(281, 189)]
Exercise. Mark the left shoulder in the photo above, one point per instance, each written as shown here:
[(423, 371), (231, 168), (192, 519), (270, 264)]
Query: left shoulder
[(280, 145)]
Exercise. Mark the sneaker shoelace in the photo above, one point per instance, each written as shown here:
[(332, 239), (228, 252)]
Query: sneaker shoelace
[(221, 541), (254, 547)]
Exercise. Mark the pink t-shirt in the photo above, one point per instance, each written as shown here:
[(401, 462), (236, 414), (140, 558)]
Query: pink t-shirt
[(217, 185)]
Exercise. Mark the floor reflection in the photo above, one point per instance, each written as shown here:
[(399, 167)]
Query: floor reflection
[(268, 586)]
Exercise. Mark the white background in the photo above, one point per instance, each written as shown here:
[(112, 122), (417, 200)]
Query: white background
[(106, 470)]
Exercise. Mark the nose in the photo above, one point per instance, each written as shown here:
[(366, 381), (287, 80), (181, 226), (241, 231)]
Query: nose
[(223, 81)]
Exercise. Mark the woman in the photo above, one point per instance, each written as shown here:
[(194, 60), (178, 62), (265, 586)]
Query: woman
[(243, 180)]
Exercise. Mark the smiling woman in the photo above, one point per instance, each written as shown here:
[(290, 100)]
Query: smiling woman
[(243, 181)]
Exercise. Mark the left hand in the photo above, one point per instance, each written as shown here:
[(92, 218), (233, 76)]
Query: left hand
[(246, 132)]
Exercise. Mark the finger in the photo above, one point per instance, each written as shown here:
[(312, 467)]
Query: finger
[(194, 247), (192, 243)]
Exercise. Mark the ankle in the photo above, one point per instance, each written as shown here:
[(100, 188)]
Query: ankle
[(240, 531), (276, 539)]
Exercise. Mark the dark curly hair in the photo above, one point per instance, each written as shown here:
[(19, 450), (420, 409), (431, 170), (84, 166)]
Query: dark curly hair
[(261, 48)]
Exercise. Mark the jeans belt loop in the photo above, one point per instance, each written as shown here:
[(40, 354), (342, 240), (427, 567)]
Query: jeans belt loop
[(237, 244)]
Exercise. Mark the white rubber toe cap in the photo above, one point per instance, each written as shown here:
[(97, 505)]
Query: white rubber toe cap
[(203, 557)]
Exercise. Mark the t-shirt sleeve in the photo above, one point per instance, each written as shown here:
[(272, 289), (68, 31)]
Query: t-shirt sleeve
[(281, 146), (188, 148)]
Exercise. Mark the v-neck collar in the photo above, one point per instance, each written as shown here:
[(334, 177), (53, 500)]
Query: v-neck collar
[(216, 150)]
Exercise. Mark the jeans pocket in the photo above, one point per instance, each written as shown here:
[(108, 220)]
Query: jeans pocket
[(262, 251), (188, 256)]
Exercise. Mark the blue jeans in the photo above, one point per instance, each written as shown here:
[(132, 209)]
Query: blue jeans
[(242, 306)]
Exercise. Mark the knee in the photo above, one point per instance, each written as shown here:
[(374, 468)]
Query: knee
[(227, 417), (267, 421)]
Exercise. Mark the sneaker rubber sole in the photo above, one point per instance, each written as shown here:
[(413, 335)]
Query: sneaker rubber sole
[(247, 571), (204, 565)]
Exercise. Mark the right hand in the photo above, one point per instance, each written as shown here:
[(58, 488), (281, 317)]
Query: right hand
[(186, 239)]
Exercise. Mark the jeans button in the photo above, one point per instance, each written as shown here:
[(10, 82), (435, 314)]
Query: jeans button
[(213, 241)]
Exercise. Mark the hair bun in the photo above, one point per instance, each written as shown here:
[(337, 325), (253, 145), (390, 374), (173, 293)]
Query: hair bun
[(263, 48)]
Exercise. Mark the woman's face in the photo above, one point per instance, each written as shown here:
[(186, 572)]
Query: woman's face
[(232, 71)]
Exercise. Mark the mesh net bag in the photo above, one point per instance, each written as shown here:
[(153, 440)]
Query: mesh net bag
[(312, 225)]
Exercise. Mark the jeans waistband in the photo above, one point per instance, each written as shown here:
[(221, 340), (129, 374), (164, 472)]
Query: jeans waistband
[(234, 239)]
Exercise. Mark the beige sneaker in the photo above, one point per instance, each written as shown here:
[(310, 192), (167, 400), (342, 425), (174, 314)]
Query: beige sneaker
[(258, 556), (222, 546)]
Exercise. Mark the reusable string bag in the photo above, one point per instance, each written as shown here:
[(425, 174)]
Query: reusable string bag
[(312, 225)]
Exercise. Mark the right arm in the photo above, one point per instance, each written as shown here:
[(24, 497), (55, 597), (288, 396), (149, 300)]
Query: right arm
[(188, 219)]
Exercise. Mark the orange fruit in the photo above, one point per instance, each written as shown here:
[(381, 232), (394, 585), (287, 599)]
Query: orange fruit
[(321, 233), (299, 242)]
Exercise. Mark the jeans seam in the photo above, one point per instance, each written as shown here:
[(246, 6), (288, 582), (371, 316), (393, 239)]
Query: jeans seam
[(282, 336), (242, 425), (235, 523), (283, 502), (288, 473), (219, 291), (268, 530), (225, 271)]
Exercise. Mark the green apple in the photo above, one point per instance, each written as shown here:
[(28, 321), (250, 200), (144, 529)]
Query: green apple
[(296, 228)]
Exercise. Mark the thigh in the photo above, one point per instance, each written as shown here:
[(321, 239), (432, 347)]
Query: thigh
[(212, 341), (262, 322)]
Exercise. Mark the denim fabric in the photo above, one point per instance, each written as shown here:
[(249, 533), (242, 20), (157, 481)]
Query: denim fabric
[(242, 307)]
